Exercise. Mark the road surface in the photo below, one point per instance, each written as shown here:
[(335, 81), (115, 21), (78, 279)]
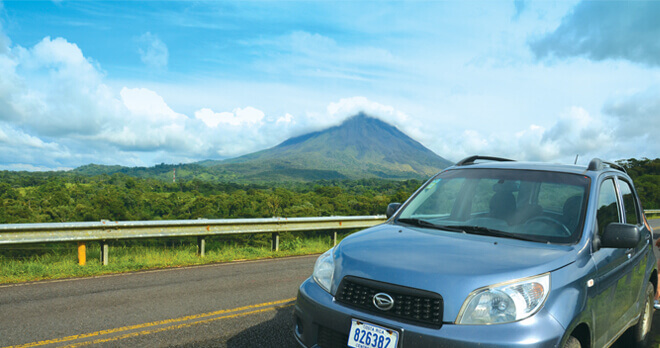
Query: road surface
[(240, 304)]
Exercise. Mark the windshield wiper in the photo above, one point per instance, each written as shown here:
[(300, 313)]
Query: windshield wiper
[(424, 223), (485, 231)]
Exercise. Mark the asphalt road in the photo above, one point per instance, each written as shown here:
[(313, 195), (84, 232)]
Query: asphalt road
[(239, 304), (655, 224)]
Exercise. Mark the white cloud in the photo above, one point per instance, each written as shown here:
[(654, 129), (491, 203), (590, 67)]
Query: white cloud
[(348, 107), (248, 116), (286, 119), (153, 52), (637, 113), (575, 132), (146, 103), (241, 131), (54, 90), (57, 111), (638, 122), (210, 118)]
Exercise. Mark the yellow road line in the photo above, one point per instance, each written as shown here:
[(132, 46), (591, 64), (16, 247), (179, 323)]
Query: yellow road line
[(155, 323), (174, 327)]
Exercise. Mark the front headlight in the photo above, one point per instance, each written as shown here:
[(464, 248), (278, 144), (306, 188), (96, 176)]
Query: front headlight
[(324, 270), (505, 303)]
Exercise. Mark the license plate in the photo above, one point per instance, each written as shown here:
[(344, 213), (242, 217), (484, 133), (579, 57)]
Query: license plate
[(367, 335)]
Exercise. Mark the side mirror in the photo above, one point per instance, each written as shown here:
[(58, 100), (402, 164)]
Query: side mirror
[(618, 235), (391, 209)]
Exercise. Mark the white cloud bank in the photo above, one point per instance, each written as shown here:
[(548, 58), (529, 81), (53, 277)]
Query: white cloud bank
[(57, 112)]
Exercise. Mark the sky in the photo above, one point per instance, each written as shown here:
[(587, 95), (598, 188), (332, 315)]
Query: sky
[(139, 83)]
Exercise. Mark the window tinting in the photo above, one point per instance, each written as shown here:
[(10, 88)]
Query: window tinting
[(629, 203), (608, 207)]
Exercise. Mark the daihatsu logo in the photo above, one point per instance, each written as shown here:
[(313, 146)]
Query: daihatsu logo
[(383, 301)]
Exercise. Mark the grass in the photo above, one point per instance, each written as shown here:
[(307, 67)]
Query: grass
[(57, 261)]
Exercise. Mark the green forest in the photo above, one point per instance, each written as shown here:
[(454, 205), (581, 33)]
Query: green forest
[(34, 197), (39, 197)]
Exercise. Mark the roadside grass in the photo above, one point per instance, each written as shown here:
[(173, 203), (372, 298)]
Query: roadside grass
[(57, 261)]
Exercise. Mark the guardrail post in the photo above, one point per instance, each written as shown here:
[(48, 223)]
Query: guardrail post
[(275, 242), (334, 238), (82, 254), (201, 246), (104, 252)]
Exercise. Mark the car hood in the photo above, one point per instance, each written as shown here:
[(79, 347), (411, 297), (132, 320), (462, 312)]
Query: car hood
[(451, 264)]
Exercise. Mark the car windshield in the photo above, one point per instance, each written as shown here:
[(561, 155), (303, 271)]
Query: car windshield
[(531, 205)]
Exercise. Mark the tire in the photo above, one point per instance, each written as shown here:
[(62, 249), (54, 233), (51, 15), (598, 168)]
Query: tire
[(640, 332), (572, 342)]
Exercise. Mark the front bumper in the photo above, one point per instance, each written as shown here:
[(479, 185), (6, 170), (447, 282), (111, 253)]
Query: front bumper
[(321, 322)]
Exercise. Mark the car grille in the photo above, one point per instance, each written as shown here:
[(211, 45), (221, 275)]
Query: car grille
[(410, 305), (329, 338)]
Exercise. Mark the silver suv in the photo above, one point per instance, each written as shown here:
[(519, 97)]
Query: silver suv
[(491, 253)]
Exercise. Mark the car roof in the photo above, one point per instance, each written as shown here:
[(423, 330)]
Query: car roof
[(595, 167)]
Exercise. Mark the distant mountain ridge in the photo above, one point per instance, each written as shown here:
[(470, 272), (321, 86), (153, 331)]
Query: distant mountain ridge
[(361, 147)]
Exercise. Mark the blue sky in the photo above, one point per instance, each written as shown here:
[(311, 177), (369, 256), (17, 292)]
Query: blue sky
[(138, 83)]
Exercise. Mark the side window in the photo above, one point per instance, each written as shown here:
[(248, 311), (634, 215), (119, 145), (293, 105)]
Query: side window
[(608, 207), (629, 203)]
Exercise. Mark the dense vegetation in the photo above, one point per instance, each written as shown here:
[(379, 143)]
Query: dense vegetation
[(59, 197), (68, 196), (646, 175)]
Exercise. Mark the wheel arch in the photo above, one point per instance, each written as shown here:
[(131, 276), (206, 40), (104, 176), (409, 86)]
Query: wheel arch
[(654, 280), (583, 334)]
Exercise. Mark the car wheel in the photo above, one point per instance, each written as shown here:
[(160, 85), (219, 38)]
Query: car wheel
[(572, 342), (640, 332)]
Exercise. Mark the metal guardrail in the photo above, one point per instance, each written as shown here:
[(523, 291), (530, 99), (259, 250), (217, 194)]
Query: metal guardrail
[(108, 230), (103, 231)]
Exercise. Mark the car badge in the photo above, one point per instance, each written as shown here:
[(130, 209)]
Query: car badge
[(383, 301)]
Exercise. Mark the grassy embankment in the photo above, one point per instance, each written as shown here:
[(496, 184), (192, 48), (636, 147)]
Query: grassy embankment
[(56, 261)]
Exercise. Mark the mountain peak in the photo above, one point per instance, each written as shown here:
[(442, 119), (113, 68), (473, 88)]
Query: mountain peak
[(361, 146)]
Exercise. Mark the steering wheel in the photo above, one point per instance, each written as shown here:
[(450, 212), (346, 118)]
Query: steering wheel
[(550, 221)]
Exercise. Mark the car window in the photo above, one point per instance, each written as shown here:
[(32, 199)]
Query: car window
[(539, 205), (608, 206), (553, 197), (438, 198), (629, 203), (487, 188)]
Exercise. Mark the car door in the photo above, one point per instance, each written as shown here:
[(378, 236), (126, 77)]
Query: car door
[(635, 274), (612, 299)]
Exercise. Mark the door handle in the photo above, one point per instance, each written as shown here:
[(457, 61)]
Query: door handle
[(629, 252)]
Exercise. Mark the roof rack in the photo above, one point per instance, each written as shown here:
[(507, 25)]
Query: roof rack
[(472, 159), (598, 164)]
